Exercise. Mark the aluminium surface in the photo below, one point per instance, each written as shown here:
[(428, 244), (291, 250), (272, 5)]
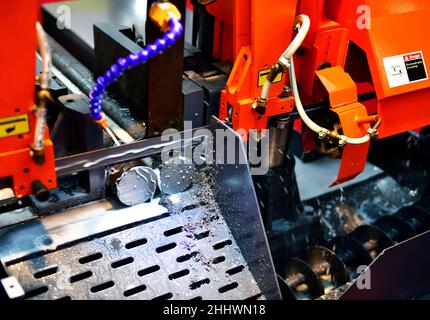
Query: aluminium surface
[(314, 178), (171, 257), (198, 244)]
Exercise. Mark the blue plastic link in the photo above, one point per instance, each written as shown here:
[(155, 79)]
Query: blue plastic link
[(131, 61)]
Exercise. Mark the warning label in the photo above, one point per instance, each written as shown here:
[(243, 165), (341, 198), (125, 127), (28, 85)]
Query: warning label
[(405, 69), (262, 76), (14, 126)]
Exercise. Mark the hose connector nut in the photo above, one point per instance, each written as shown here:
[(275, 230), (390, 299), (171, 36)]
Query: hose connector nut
[(44, 97), (373, 133), (259, 106), (322, 134), (286, 92), (162, 12), (342, 143)]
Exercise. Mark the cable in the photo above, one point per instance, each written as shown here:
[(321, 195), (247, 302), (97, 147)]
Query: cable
[(46, 55), (283, 61), (323, 132), (303, 23), (308, 121), (286, 61), (132, 60), (44, 95)]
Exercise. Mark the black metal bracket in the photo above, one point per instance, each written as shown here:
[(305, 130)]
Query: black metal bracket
[(74, 133)]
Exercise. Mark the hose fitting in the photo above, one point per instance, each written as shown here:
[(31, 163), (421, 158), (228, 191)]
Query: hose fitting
[(37, 148)]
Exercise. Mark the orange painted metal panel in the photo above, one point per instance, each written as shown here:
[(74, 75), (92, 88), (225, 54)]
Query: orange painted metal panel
[(397, 28), (342, 92), (262, 32), (17, 91)]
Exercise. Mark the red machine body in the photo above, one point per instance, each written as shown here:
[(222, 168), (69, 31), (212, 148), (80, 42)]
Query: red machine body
[(255, 31), (338, 59), (398, 30), (371, 40), (17, 98)]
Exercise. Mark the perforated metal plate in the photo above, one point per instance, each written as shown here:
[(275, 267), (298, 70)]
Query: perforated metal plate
[(205, 243), (164, 259)]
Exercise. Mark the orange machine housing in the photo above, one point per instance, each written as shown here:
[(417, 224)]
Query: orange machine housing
[(397, 28), (259, 33), (254, 33), (17, 98)]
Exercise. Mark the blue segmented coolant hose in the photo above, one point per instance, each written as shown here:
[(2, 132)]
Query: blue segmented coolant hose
[(116, 71)]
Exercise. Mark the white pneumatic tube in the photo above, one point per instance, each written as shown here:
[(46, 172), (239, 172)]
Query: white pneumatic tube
[(45, 53), (45, 81), (308, 121), (303, 24), (292, 48)]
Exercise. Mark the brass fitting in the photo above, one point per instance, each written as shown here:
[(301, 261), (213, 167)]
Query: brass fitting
[(162, 12), (334, 134), (37, 152), (102, 122), (44, 96), (374, 132)]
